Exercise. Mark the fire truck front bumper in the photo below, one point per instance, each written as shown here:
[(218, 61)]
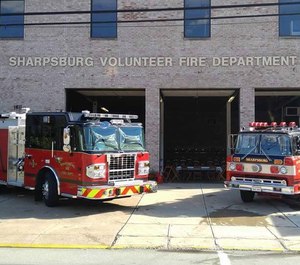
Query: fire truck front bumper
[(262, 186), (118, 190)]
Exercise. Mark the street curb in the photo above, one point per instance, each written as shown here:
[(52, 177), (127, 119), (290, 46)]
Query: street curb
[(54, 246), (194, 248)]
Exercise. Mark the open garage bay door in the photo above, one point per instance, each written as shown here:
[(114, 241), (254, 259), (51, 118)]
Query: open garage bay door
[(277, 105), (123, 101), (196, 126)]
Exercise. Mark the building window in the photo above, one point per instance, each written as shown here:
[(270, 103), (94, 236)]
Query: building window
[(105, 29), (194, 27), (8, 7), (289, 25)]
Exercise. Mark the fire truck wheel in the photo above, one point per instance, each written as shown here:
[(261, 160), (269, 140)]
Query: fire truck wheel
[(247, 196), (49, 191)]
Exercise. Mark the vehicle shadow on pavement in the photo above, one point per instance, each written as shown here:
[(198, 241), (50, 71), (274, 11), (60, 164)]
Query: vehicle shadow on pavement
[(17, 203)]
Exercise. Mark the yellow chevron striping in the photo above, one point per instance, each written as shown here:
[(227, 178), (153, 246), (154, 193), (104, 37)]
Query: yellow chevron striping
[(129, 192), (92, 193), (83, 190)]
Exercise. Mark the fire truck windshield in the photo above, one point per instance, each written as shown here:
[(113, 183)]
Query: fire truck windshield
[(131, 139), (263, 144), (113, 138)]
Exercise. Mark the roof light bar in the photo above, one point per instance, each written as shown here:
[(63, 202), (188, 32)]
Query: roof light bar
[(273, 124), (110, 116), (117, 122)]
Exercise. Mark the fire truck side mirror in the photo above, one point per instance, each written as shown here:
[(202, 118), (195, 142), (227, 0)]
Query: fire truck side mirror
[(67, 140)]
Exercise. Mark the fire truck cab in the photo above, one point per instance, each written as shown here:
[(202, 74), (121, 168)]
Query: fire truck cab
[(266, 159), (76, 155)]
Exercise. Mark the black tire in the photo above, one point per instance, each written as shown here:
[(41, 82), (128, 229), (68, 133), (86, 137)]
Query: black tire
[(38, 194), (49, 190), (247, 196)]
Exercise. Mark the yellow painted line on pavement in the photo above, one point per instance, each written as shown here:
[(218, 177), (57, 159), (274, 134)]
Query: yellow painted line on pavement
[(55, 246), (62, 246)]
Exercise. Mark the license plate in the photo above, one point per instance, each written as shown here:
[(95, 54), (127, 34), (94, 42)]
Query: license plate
[(256, 189)]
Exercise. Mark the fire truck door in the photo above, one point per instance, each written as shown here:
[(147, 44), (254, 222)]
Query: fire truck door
[(16, 148)]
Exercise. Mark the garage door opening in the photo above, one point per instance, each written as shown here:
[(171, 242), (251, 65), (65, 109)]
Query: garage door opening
[(107, 101), (277, 106), (196, 130)]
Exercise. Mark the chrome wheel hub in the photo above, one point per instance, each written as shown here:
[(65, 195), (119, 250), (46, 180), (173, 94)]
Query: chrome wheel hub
[(45, 190)]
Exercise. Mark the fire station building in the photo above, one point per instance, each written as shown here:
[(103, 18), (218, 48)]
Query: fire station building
[(195, 71)]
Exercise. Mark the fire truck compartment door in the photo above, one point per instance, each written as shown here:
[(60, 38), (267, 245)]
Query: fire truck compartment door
[(16, 149)]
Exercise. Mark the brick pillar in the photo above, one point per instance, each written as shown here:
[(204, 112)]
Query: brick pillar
[(153, 126), (247, 106)]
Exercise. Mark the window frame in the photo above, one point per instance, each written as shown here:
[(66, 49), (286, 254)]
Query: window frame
[(23, 21), (280, 17), (184, 24), (40, 134), (91, 23)]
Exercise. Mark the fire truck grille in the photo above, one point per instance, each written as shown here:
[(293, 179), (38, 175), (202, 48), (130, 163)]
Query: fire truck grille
[(122, 167)]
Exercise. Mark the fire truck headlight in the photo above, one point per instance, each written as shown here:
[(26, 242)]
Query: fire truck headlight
[(96, 171), (283, 170), (232, 167), (143, 168)]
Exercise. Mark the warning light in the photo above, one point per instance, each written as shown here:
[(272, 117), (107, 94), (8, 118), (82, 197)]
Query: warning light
[(274, 169), (282, 124), (239, 167), (292, 124), (288, 161), (274, 124)]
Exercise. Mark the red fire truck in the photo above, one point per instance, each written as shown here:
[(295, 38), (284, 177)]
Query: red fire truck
[(76, 155), (266, 159)]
